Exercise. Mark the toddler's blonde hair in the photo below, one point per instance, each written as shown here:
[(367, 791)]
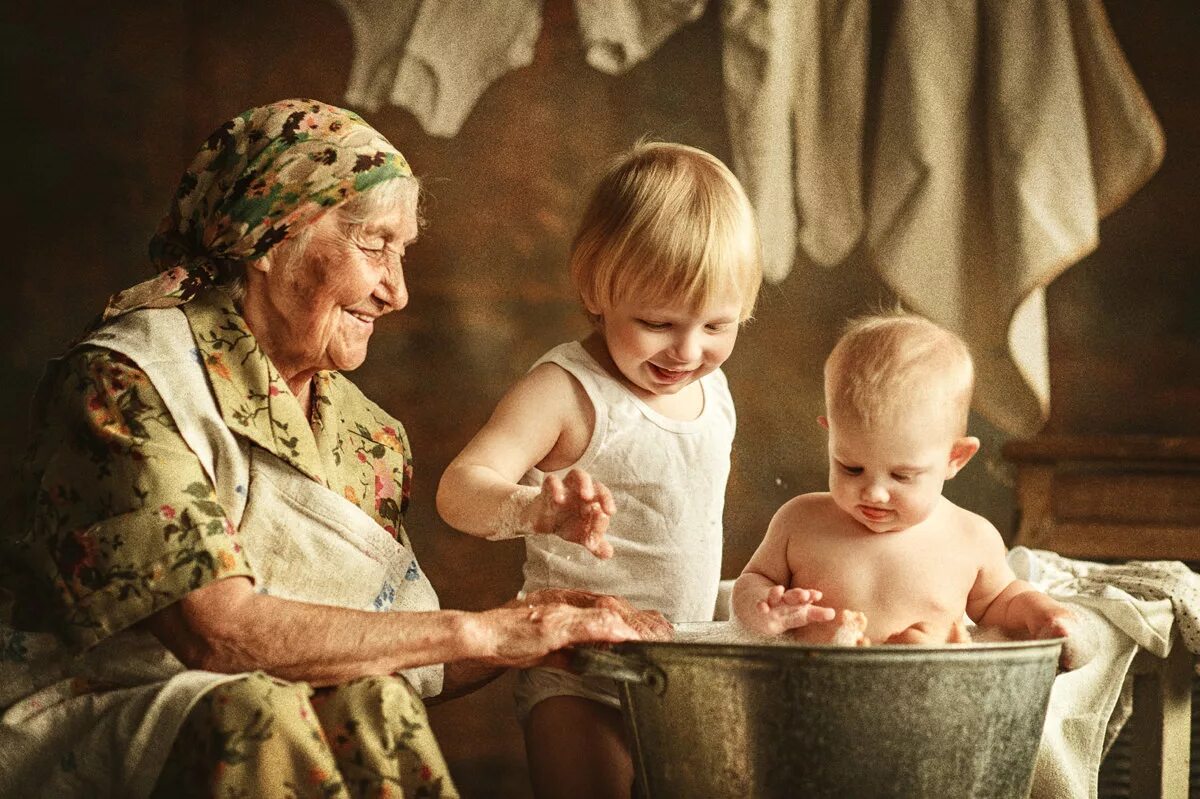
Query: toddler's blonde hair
[(897, 364), (667, 221)]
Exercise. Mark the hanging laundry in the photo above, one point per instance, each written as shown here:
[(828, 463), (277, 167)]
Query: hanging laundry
[(795, 89), (437, 57), (619, 34), (380, 31), (457, 49), (1005, 132)]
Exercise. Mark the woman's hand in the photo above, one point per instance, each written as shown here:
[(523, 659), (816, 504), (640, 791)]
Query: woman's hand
[(649, 624), (526, 636), (575, 508)]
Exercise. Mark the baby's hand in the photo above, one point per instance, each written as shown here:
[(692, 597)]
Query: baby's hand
[(785, 609), (576, 509), (1081, 644), (928, 633), (846, 628)]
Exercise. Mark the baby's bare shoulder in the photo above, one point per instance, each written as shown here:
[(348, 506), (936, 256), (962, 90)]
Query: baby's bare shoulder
[(972, 530), (805, 508)]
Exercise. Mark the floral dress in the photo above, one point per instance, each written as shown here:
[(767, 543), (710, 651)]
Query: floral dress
[(126, 521)]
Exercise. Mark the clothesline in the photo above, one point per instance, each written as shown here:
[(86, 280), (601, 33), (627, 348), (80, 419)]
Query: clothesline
[(1002, 134)]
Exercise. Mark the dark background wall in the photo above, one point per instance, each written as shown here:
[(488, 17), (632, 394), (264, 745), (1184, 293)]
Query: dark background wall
[(108, 105)]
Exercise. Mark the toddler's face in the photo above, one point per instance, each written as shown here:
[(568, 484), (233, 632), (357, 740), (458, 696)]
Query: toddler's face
[(889, 477), (662, 348)]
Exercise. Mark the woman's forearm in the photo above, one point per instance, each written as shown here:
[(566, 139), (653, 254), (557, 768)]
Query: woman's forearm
[(227, 627)]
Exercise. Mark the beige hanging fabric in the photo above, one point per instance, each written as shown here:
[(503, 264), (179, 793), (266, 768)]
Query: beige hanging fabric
[(795, 87), (1006, 131), (436, 58)]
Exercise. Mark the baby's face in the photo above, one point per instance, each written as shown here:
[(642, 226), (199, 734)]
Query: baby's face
[(888, 477), (660, 348)]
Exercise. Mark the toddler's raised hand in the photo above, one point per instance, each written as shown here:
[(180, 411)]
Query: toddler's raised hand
[(784, 609), (575, 508)]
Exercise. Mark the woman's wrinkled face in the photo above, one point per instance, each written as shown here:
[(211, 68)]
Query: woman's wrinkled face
[(322, 304)]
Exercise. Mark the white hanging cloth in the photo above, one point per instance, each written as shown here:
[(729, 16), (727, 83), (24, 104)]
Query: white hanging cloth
[(1005, 132), (437, 57), (795, 89)]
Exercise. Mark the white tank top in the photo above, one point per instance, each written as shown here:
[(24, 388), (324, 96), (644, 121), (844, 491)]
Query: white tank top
[(667, 477)]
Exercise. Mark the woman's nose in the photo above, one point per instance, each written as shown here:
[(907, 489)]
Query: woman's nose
[(392, 290)]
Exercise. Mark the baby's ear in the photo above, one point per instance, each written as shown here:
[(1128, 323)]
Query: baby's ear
[(821, 420), (961, 452), (262, 264)]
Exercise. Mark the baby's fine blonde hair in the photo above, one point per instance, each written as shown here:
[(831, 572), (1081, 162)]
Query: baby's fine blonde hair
[(667, 221), (893, 364)]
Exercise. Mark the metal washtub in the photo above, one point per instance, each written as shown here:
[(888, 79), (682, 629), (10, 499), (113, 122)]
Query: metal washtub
[(739, 720)]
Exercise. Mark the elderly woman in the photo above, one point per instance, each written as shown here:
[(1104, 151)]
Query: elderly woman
[(218, 514)]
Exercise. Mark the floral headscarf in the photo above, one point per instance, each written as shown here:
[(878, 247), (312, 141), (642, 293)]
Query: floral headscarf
[(258, 178)]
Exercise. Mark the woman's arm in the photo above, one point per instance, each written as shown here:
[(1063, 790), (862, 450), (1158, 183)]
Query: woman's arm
[(545, 419), (227, 627)]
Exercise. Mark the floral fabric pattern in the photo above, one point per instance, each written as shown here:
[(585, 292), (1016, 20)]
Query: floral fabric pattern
[(261, 737), (261, 176), (125, 520)]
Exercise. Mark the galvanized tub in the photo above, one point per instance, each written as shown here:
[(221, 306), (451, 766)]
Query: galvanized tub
[(736, 720)]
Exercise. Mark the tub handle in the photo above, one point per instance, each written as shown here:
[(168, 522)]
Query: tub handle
[(595, 662)]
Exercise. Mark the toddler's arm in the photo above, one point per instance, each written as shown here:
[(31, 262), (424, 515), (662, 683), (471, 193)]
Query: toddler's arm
[(479, 493), (762, 600)]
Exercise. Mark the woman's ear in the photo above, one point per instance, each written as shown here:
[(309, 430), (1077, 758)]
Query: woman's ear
[(961, 452)]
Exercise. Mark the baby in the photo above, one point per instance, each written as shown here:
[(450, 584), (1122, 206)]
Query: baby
[(615, 448), (899, 562)]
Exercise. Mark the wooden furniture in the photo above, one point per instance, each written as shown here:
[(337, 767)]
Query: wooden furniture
[(1109, 497), (1124, 498)]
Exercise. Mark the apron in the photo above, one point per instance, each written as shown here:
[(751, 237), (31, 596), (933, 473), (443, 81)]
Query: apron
[(61, 736)]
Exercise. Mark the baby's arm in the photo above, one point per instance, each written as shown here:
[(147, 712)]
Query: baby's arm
[(762, 600), (1000, 600), (479, 494)]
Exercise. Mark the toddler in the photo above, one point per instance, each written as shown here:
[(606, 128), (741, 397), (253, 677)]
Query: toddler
[(614, 450), (899, 562)]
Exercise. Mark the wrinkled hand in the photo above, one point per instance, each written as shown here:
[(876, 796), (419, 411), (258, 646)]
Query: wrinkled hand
[(785, 609), (650, 625), (575, 508), (527, 636), (929, 633)]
